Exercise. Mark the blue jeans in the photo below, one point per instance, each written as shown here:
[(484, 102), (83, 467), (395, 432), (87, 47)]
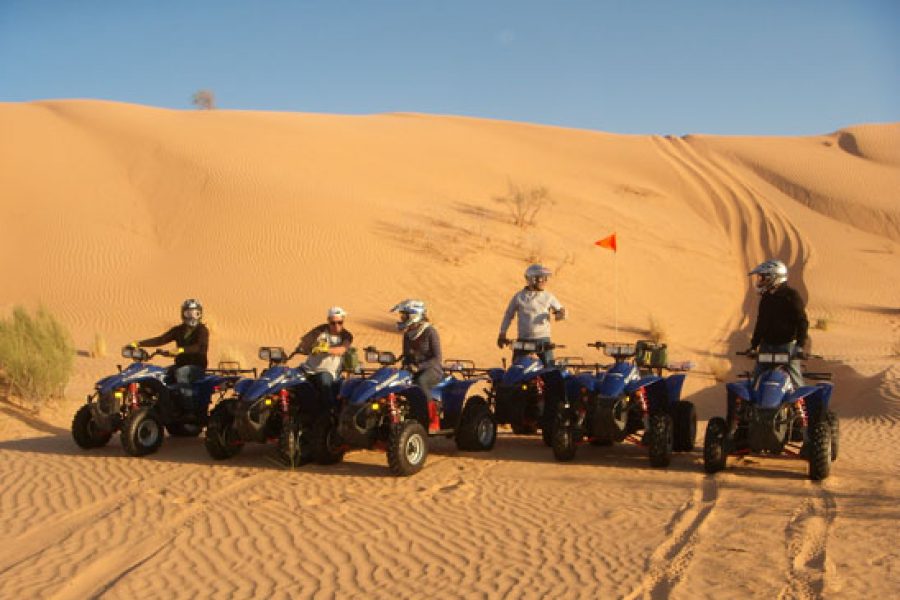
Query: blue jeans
[(184, 377), (324, 384), (546, 356)]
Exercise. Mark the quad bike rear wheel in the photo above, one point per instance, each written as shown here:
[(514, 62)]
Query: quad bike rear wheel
[(714, 452), (660, 439), (222, 440), (184, 429), (327, 445), (477, 431), (610, 420), (820, 450), (685, 421), (85, 430), (523, 429), (142, 432), (407, 448), (835, 425)]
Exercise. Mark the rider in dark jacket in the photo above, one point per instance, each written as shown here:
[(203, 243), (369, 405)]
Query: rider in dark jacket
[(191, 339), (421, 345)]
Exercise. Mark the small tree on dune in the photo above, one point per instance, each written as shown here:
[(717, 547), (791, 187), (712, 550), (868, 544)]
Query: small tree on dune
[(524, 203), (204, 100)]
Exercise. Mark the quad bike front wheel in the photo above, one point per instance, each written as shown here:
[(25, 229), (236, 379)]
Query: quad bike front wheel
[(685, 421), (407, 448), (85, 430), (660, 439), (714, 452), (142, 432), (222, 441), (290, 449), (564, 443), (820, 450), (477, 430)]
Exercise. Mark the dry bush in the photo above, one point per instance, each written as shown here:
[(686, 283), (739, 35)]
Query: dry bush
[(204, 99), (822, 323), (656, 330), (36, 354), (524, 204), (98, 348)]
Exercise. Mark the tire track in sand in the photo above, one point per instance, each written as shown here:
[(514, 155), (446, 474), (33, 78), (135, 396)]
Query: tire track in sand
[(806, 540), (665, 568), (105, 570)]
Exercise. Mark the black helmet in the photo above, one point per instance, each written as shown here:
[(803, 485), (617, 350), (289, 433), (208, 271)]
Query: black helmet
[(188, 315)]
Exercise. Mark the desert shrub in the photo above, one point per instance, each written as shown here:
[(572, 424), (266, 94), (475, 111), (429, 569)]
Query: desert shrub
[(204, 99), (36, 354), (656, 330), (524, 203)]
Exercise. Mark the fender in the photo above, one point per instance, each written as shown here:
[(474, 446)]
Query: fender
[(575, 383), (817, 398), (772, 389), (522, 370), (136, 372), (496, 375), (452, 393), (383, 382), (674, 384), (643, 382), (739, 389)]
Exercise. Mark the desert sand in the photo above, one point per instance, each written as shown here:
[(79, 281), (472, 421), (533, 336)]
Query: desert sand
[(112, 214)]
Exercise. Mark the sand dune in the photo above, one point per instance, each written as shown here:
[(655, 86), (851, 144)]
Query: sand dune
[(112, 214)]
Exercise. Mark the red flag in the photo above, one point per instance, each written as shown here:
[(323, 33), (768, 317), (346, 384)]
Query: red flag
[(607, 242)]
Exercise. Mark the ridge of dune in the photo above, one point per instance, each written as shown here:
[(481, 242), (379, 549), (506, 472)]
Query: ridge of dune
[(111, 214)]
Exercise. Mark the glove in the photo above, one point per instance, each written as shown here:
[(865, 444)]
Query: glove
[(133, 345), (321, 348), (560, 314), (502, 340), (179, 351)]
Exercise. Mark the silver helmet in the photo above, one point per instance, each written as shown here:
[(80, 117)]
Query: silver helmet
[(191, 312), (411, 312), (770, 275), (535, 273)]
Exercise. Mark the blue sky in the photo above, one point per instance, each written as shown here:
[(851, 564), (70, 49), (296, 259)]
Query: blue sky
[(738, 66)]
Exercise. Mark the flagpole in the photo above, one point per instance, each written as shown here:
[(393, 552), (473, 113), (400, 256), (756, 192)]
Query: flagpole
[(616, 289)]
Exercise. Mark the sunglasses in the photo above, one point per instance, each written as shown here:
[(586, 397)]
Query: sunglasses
[(335, 322)]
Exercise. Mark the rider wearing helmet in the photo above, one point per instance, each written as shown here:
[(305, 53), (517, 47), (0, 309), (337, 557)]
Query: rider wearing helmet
[(421, 345), (781, 323), (532, 307), (326, 345), (191, 339)]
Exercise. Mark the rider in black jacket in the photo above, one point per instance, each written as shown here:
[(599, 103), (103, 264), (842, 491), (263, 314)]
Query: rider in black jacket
[(191, 339)]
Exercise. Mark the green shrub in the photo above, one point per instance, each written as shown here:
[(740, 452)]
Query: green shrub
[(36, 354)]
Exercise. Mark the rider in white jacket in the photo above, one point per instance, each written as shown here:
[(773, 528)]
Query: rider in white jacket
[(532, 307)]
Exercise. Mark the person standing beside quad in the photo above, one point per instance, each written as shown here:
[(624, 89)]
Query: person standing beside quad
[(326, 345), (532, 307), (191, 338)]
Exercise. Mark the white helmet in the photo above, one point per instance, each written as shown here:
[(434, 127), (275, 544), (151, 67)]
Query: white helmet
[(411, 312), (772, 273), (536, 272), (336, 312), (191, 312)]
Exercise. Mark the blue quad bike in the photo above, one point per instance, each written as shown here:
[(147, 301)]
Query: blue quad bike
[(622, 399), (525, 394), (281, 406), (382, 408), (143, 399), (769, 416)]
